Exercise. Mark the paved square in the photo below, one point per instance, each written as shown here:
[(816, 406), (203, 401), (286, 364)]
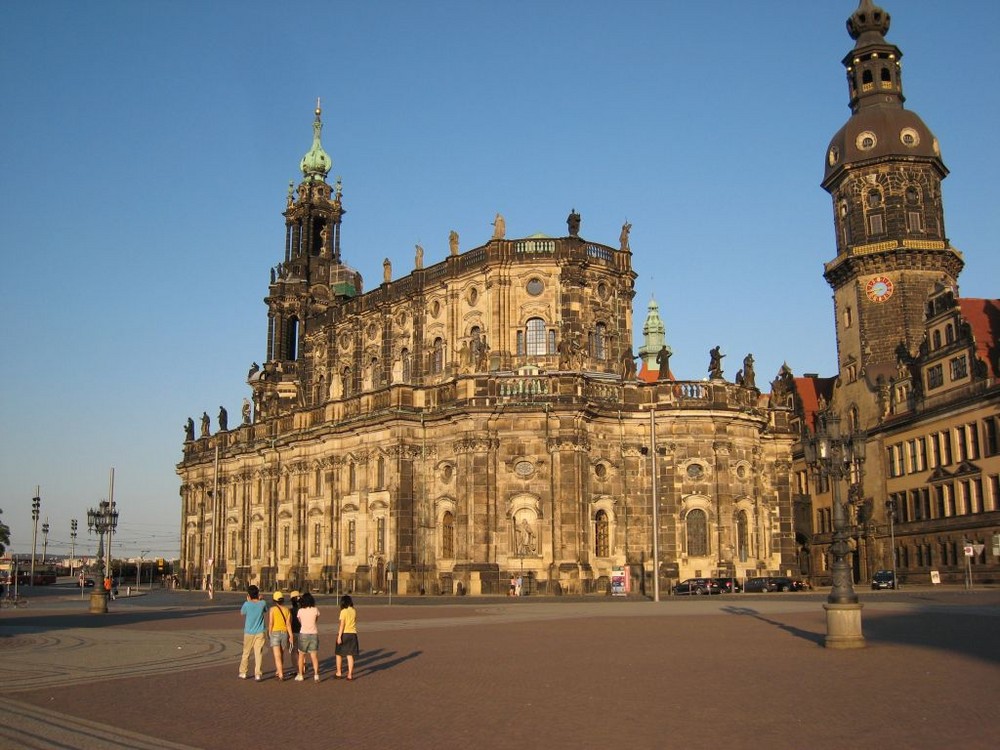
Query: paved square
[(741, 671)]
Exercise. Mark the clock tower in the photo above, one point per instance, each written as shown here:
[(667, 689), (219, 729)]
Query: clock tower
[(883, 170)]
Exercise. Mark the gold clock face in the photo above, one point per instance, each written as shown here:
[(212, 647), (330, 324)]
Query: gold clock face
[(879, 288)]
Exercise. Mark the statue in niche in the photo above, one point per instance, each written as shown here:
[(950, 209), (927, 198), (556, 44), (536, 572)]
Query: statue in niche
[(663, 360), (189, 430), (246, 411), (324, 238), (480, 350), (205, 424), (525, 538), (573, 223), (418, 259), (821, 403), (386, 271), (749, 376), (223, 419), (623, 238), (453, 242), (499, 227), (715, 363)]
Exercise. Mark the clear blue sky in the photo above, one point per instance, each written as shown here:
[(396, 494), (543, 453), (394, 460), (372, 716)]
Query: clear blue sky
[(146, 149)]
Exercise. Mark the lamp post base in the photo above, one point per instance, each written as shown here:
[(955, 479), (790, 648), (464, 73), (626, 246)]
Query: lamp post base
[(843, 626), (98, 602)]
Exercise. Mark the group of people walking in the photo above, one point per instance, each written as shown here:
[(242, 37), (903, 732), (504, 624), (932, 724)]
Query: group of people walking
[(294, 630)]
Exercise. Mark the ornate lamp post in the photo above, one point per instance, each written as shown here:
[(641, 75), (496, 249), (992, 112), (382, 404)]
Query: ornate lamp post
[(103, 519), (72, 548), (835, 456), (890, 511), (45, 540), (36, 506)]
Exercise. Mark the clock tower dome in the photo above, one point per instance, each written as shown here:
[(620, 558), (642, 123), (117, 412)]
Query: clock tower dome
[(883, 169)]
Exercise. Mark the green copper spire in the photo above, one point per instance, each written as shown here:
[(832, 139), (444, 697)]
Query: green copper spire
[(316, 163)]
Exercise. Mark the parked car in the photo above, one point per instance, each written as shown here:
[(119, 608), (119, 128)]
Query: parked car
[(774, 583), (784, 583), (883, 579), (698, 586), (728, 585), (87, 583)]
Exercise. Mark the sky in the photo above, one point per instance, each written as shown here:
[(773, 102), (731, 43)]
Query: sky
[(146, 150)]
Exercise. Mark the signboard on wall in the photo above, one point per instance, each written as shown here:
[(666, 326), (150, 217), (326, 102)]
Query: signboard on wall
[(618, 582)]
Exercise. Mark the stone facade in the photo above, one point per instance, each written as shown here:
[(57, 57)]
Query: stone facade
[(917, 364), (477, 418)]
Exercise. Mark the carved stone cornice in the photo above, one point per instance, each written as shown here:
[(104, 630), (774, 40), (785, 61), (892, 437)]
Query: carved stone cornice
[(475, 445)]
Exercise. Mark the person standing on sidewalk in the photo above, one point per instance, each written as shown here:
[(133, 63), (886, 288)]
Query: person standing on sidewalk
[(296, 625), (308, 639), (253, 611), (347, 636), (279, 629)]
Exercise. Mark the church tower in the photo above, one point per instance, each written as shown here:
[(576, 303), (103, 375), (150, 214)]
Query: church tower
[(883, 171), (305, 287)]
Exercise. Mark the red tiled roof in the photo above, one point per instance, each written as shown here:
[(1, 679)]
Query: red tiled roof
[(984, 317), (650, 376), (809, 390)]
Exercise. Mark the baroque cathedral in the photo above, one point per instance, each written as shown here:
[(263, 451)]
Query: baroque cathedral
[(481, 417), (475, 418)]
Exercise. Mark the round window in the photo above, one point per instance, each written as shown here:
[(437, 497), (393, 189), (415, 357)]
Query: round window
[(695, 471), (601, 471), (866, 141), (535, 287), (524, 469), (909, 137)]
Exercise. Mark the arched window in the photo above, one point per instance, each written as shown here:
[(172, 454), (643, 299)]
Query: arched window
[(854, 419), (380, 473), (697, 533), (886, 76), (407, 365), (437, 356), (602, 546), (949, 334), (742, 536), (599, 348), (352, 477), (866, 77), (448, 535), (291, 338), (535, 336), (936, 338), (352, 537)]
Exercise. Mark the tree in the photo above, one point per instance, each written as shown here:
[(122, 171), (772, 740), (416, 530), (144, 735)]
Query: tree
[(4, 535)]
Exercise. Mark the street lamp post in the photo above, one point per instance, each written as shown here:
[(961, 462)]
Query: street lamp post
[(103, 519), (72, 547), (36, 506), (835, 456), (45, 541), (890, 511)]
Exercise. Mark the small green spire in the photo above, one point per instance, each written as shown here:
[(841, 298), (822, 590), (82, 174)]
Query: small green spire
[(315, 165)]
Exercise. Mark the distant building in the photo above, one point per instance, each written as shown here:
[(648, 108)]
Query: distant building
[(917, 364), (475, 418)]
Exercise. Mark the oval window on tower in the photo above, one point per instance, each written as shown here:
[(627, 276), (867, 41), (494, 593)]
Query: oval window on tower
[(909, 137), (866, 141)]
